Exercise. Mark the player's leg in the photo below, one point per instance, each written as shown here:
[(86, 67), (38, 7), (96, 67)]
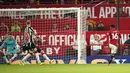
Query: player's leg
[(23, 55), (113, 52), (27, 56), (112, 58), (15, 53), (30, 52), (12, 58), (46, 57), (38, 58), (4, 57), (25, 51), (25, 59)]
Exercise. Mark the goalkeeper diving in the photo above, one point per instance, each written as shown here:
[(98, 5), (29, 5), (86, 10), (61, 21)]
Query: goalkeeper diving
[(12, 48)]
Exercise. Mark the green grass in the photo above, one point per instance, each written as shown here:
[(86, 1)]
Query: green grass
[(66, 68)]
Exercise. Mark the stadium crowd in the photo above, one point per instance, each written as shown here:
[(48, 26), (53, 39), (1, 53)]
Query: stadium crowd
[(16, 2)]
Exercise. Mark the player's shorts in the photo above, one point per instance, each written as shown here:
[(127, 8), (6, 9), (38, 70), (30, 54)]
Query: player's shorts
[(15, 51), (38, 50), (25, 47), (28, 46), (113, 48), (32, 46)]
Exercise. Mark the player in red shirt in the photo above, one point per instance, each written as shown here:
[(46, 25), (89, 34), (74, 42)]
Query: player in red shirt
[(112, 40), (114, 35)]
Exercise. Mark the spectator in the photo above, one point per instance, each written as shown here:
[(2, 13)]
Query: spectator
[(15, 27), (90, 28), (91, 25), (127, 46), (96, 45), (3, 27), (54, 27), (100, 26), (67, 27)]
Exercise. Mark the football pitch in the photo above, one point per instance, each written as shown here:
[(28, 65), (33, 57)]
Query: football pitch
[(66, 68)]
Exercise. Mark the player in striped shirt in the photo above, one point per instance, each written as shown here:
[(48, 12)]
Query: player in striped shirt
[(30, 44)]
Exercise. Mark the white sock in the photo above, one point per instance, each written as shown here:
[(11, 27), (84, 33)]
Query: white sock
[(26, 57), (37, 57), (45, 56), (15, 55), (5, 58)]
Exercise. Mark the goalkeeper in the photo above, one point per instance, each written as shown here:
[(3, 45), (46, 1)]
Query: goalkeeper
[(12, 48)]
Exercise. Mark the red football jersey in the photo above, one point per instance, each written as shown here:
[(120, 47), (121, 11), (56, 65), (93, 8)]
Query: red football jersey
[(112, 37)]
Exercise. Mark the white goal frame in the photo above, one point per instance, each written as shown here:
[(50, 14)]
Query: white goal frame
[(79, 27)]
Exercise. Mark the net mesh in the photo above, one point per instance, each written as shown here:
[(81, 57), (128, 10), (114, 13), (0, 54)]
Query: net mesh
[(56, 28)]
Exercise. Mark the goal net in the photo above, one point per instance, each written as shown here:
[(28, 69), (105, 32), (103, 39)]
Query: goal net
[(62, 31)]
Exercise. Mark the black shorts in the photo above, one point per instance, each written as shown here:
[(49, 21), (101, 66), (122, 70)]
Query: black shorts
[(25, 47), (32, 46), (29, 46), (39, 50)]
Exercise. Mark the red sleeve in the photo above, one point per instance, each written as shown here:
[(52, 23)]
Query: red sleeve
[(106, 36)]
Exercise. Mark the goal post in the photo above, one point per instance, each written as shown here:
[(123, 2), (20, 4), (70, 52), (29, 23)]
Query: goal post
[(62, 30)]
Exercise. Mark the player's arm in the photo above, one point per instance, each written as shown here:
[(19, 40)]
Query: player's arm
[(104, 38), (2, 45)]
